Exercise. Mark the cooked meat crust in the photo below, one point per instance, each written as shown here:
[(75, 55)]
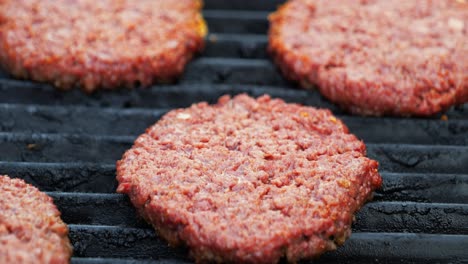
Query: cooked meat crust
[(99, 44), (376, 57), (31, 230), (249, 180)]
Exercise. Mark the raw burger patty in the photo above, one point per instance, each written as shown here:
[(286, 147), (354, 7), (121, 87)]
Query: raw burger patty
[(106, 43), (376, 57), (249, 180), (31, 230)]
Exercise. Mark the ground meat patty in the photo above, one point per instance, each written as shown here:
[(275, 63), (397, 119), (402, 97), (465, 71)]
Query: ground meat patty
[(376, 57), (31, 230), (106, 43), (249, 180)]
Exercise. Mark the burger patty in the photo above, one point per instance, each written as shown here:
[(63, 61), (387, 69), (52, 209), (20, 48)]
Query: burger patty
[(249, 180), (31, 230), (104, 44), (376, 57)]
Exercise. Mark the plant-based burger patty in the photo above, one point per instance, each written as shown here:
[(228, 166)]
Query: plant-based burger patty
[(376, 57), (99, 44), (249, 180), (31, 230)]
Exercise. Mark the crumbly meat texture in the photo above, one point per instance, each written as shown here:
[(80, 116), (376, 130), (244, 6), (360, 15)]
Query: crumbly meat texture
[(376, 57), (99, 44), (249, 180), (31, 230)]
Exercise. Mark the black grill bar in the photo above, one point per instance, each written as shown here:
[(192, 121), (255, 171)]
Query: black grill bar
[(233, 71), (108, 149), (64, 177), (100, 178), (260, 5), (22, 92), (163, 97), (226, 71), (118, 242), (116, 210), (424, 187), (77, 260), (97, 209), (87, 120), (62, 147), (132, 122), (243, 46), (417, 158), (225, 21)]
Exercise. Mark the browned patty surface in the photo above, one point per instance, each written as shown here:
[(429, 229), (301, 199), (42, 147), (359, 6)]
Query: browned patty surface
[(31, 230), (376, 57), (249, 180), (99, 44)]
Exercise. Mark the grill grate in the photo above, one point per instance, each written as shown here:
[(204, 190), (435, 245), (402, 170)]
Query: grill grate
[(66, 143)]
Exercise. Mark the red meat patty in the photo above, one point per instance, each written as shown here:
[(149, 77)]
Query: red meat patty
[(249, 180), (92, 44), (31, 230), (376, 57)]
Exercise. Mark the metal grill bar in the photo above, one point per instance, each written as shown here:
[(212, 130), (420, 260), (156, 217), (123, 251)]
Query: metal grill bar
[(100, 178), (108, 149), (436, 218), (117, 242), (132, 122)]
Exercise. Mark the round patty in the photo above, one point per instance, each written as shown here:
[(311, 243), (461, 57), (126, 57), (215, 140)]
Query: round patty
[(107, 43), (249, 180), (31, 230), (376, 57)]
